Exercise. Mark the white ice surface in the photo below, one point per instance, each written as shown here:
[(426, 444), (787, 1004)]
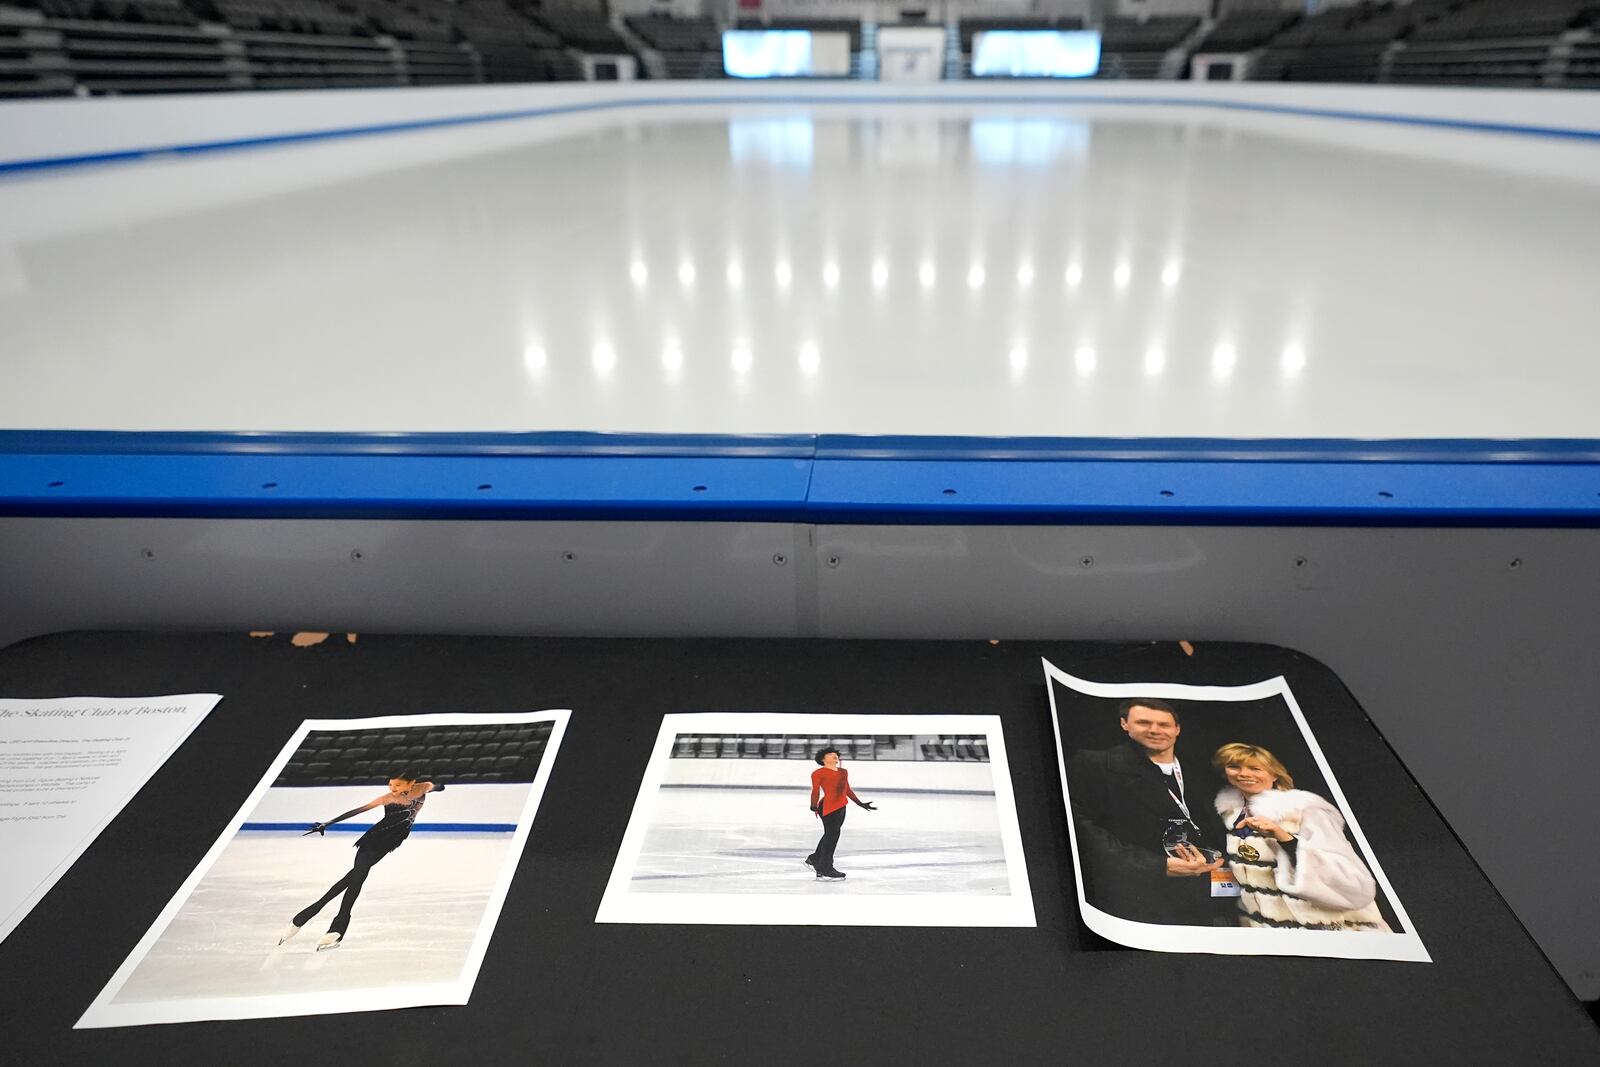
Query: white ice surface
[(413, 924), (708, 840), (932, 268)]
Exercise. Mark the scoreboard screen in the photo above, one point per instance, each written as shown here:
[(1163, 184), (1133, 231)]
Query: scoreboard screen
[(1036, 54)]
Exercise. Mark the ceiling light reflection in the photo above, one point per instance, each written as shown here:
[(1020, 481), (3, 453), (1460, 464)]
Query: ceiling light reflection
[(1155, 360), (1074, 275), (534, 356), (639, 273), (1018, 357), (1025, 275), (975, 276), (1223, 357), (686, 272), (926, 274), (810, 358), (1084, 359), (830, 275), (880, 274), (735, 275), (604, 358), (784, 274), (672, 356), (1171, 273), (1122, 275), (743, 358), (1294, 360)]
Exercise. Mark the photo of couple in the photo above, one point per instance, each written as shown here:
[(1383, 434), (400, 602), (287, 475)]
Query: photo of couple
[(1205, 819)]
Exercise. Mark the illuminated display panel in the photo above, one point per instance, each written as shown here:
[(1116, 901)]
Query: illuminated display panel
[(766, 53), (1036, 54)]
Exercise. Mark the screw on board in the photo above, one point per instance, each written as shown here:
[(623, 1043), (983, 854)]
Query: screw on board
[(779, 558), (1086, 561), (1300, 561), (356, 555), (1516, 562), (833, 561), (145, 553), (568, 556)]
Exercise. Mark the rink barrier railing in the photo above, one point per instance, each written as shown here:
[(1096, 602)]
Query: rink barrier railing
[(801, 479), (62, 134)]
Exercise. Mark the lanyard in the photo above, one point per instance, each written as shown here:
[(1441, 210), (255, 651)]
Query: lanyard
[(1177, 797)]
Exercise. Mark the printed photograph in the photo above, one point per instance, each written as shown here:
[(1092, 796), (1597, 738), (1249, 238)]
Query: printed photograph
[(1206, 819), (824, 819), (366, 871)]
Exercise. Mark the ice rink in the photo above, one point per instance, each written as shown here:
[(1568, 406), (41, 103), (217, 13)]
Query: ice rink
[(966, 267), (753, 840), (413, 924)]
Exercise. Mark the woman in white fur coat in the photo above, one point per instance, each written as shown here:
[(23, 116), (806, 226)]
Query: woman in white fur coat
[(1288, 852)]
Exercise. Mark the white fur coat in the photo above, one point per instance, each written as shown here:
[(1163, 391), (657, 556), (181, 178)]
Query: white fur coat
[(1318, 883)]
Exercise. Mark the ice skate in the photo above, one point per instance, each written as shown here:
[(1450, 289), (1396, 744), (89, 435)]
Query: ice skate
[(832, 876), (284, 937), (329, 940), (809, 862)]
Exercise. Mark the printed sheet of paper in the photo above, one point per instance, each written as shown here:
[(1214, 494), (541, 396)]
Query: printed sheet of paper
[(768, 819), (1207, 819), (67, 767), (366, 871)]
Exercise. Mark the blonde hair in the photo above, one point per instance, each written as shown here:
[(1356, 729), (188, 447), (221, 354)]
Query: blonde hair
[(1237, 754)]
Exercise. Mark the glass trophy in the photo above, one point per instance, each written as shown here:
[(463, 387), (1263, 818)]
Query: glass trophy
[(1183, 832)]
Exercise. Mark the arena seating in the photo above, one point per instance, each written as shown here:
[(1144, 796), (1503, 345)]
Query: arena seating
[(446, 754), (1135, 48), (806, 746), (689, 47), (586, 30), (85, 47), (1245, 31)]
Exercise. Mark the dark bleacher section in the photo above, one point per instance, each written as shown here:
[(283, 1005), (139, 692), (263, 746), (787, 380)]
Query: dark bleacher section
[(1506, 43), (445, 754), (689, 47), (58, 47), (1135, 48), (1344, 44), (85, 47), (882, 747), (1475, 42), (588, 31), (1246, 31), (1479, 20)]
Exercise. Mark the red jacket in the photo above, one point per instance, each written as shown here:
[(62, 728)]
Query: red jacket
[(834, 787)]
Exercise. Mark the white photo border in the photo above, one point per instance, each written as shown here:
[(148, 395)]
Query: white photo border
[(618, 905), (1232, 941), (103, 1013)]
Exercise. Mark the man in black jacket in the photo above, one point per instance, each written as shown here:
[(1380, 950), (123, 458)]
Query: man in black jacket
[(1124, 800)]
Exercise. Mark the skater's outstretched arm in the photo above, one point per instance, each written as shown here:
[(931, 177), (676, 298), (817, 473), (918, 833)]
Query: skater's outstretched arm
[(393, 796), (851, 793)]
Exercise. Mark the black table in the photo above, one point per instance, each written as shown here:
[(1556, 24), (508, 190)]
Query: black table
[(557, 988)]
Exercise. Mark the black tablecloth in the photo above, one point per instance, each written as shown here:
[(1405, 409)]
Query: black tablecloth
[(555, 987)]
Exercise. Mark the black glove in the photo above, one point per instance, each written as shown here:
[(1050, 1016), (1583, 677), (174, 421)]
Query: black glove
[(316, 828), (815, 810), (869, 805), (437, 788)]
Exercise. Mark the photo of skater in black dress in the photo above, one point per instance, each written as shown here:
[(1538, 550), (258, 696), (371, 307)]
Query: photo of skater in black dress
[(830, 789), (400, 807)]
